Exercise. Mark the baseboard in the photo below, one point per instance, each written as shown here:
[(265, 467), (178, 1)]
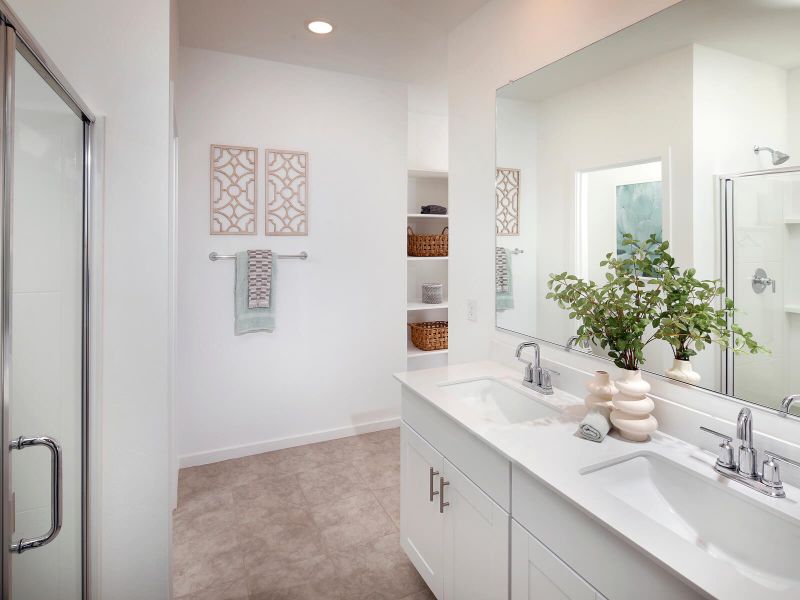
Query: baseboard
[(212, 456)]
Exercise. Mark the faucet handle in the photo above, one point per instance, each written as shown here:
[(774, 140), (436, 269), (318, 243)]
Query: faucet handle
[(725, 452), (771, 474)]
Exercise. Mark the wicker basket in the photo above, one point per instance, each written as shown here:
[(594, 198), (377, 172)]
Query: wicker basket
[(429, 336), (427, 245)]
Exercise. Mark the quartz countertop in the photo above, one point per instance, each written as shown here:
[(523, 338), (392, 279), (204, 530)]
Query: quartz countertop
[(550, 451)]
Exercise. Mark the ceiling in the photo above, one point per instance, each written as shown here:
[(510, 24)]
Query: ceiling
[(402, 40)]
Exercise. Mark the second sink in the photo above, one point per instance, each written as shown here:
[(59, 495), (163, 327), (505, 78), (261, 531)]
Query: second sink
[(499, 403)]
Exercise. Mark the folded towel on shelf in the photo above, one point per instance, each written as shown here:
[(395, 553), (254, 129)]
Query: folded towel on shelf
[(504, 297), (434, 209), (259, 278), (246, 319), (595, 425)]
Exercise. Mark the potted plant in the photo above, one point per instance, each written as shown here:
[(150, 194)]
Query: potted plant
[(621, 316), (695, 315)]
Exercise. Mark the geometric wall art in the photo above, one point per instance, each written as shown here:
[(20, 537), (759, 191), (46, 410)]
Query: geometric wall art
[(507, 201), (233, 190), (287, 192)]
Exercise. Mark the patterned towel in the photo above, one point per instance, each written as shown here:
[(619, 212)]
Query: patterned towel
[(259, 278), (501, 270)]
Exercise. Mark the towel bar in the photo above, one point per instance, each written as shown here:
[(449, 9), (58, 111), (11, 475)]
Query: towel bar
[(214, 256)]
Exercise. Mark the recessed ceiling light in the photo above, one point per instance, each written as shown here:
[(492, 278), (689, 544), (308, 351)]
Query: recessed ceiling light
[(319, 27)]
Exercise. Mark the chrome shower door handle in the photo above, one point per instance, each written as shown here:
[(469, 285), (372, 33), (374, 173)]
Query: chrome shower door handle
[(56, 496), (433, 492)]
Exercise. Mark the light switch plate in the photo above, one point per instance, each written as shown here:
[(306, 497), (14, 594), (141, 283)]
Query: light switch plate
[(472, 310)]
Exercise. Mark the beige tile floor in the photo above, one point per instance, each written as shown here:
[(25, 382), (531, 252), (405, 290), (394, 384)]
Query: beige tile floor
[(312, 522)]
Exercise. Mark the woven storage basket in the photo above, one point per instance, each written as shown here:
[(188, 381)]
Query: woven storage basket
[(426, 244), (429, 336)]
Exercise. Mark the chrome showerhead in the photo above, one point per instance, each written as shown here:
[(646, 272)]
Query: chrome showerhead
[(778, 157)]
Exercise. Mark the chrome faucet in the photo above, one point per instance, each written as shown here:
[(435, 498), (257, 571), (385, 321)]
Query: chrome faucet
[(786, 404), (747, 454), (536, 377), (574, 343), (744, 470)]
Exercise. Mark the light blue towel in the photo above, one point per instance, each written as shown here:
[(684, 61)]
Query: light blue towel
[(250, 320), (505, 300)]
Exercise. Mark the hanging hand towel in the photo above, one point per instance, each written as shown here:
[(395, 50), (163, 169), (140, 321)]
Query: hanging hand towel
[(246, 319), (259, 278), (504, 290)]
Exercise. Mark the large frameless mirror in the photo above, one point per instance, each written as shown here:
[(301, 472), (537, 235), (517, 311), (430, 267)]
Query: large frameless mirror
[(684, 128)]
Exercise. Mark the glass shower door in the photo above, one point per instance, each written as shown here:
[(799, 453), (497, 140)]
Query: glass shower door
[(45, 342), (763, 233)]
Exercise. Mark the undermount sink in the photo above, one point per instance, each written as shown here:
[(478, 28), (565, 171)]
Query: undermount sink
[(498, 403), (759, 543)]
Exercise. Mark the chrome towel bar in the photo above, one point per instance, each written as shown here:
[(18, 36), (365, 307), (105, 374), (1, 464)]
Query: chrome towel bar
[(214, 256)]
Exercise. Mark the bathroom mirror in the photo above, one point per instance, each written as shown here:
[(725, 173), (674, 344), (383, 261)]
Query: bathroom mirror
[(685, 126)]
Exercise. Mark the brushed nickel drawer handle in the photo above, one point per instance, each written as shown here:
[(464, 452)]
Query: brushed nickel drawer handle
[(432, 491), (442, 503)]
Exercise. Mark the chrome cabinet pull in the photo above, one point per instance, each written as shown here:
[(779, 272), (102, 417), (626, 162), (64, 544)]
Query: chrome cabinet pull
[(56, 497), (442, 503), (432, 491)]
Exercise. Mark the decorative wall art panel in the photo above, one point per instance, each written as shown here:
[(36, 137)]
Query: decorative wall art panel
[(233, 190), (287, 192), (507, 198)]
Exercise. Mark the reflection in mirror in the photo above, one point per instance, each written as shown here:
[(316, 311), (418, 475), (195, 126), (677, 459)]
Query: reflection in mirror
[(686, 127)]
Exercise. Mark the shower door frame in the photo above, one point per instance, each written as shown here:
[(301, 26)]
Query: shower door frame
[(727, 194), (14, 36)]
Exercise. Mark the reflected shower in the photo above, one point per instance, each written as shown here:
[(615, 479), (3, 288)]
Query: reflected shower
[(778, 157)]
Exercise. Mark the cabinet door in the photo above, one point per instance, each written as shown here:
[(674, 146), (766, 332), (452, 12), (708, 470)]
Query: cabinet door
[(475, 541), (538, 574), (421, 524)]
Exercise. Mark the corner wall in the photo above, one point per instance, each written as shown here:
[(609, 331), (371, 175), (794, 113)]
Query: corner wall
[(327, 369)]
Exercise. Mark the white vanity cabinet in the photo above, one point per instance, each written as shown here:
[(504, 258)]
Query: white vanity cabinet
[(538, 574), (454, 534)]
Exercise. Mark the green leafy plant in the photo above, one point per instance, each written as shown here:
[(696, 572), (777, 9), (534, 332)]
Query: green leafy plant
[(645, 298), (616, 315), (695, 315)]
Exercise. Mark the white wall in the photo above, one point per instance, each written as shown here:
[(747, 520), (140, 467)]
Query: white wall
[(116, 54), (427, 142), (504, 40), (327, 367)]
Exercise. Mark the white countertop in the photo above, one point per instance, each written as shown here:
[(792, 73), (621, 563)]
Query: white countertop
[(549, 450)]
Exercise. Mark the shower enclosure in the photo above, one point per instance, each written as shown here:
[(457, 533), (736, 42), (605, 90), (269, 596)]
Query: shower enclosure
[(45, 133), (761, 253)]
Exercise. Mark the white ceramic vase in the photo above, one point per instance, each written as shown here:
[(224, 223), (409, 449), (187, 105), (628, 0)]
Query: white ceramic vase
[(632, 407), (682, 371), (601, 391)]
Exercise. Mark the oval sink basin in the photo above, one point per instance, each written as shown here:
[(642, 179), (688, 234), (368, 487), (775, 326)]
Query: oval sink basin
[(759, 543), (498, 403)]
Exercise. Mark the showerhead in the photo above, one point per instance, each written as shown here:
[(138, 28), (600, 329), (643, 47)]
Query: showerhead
[(778, 157)]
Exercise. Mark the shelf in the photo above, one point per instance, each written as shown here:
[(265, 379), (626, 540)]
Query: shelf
[(414, 352), (792, 221), (426, 258), (420, 174), (417, 305), (415, 216), (792, 308)]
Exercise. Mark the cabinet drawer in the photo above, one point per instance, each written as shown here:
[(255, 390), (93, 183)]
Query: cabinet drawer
[(578, 540), (487, 468)]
